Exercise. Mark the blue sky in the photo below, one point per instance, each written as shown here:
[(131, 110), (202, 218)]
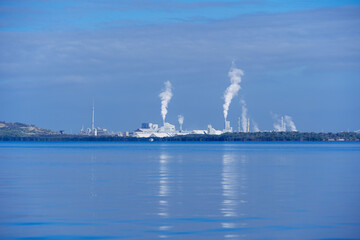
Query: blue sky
[(62, 15), (300, 58)]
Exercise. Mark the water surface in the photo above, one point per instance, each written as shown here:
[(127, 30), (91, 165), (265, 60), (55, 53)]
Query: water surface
[(179, 190)]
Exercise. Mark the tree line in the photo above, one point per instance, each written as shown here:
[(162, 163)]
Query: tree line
[(238, 137)]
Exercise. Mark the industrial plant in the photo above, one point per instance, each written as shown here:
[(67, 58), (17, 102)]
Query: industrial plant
[(94, 131), (149, 130)]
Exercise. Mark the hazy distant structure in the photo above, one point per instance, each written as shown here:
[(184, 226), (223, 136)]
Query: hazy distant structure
[(181, 121), (239, 126), (283, 128)]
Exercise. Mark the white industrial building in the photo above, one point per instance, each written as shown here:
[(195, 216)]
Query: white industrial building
[(148, 130), (153, 130), (213, 131)]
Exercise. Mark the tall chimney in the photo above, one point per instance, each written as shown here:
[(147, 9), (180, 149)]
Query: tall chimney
[(248, 125)]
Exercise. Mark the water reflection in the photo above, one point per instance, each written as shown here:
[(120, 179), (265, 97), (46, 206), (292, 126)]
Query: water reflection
[(235, 186), (93, 193), (164, 193)]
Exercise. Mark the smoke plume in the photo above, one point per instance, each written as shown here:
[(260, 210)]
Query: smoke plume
[(244, 119), (235, 79), (255, 126), (181, 119), (277, 122), (289, 123), (277, 127), (165, 97)]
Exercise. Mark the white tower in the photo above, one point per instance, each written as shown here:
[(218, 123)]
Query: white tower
[(227, 124), (227, 127), (239, 125), (248, 125), (282, 124)]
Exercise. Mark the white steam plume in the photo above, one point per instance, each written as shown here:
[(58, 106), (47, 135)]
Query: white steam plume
[(235, 79), (181, 119), (244, 119), (289, 123), (255, 126), (277, 123), (165, 97), (277, 127)]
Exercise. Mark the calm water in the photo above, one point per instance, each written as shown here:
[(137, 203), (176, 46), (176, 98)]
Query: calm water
[(180, 190)]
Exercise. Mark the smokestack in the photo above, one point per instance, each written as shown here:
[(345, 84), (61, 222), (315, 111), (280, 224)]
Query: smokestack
[(239, 130), (93, 118), (248, 125), (244, 115), (165, 97), (181, 121), (283, 129), (227, 126)]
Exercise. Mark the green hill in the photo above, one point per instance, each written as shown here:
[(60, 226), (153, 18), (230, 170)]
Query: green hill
[(22, 130)]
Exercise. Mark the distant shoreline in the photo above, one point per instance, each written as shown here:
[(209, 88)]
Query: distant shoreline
[(227, 137)]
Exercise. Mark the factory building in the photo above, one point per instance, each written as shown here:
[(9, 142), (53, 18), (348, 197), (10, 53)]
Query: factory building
[(168, 130), (153, 130), (213, 131), (228, 128)]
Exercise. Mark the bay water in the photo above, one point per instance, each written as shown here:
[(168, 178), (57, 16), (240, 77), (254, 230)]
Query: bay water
[(152, 190)]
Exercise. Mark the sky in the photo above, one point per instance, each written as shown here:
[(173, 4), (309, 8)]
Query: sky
[(300, 58)]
